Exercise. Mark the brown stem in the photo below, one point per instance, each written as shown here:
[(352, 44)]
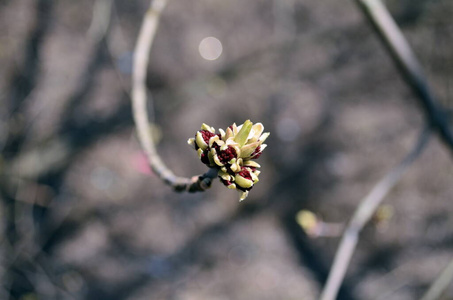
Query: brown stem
[(139, 98)]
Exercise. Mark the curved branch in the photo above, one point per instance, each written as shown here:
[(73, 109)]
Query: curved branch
[(139, 98), (404, 58), (440, 284), (363, 214)]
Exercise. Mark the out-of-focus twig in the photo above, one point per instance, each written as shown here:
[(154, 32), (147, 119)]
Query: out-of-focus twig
[(437, 118), (404, 58), (363, 214), (440, 284), (139, 98), (24, 79), (101, 19), (51, 154)]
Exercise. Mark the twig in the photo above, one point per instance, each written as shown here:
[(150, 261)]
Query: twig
[(53, 153), (440, 284), (404, 58), (100, 22), (362, 215), (139, 97)]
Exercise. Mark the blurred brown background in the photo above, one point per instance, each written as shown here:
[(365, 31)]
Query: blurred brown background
[(83, 218)]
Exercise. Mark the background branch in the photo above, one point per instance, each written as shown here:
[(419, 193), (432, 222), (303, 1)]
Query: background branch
[(404, 58), (363, 214), (407, 63), (139, 98), (440, 284)]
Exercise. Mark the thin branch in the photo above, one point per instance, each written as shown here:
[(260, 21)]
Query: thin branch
[(139, 97), (404, 58), (363, 214), (440, 284), (51, 154), (100, 22)]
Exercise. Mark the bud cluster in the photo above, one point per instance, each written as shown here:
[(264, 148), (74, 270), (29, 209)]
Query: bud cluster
[(233, 153)]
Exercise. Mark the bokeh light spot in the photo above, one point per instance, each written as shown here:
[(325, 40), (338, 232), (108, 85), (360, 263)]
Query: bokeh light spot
[(210, 48)]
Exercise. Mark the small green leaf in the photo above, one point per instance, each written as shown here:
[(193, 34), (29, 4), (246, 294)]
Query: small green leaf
[(241, 137)]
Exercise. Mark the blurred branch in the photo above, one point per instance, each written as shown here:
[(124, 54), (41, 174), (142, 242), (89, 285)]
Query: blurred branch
[(363, 214), (440, 284), (139, 97), (98, 34), (100, 22), (25, 78), (404, 58), (53, 153), (407, 63)]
